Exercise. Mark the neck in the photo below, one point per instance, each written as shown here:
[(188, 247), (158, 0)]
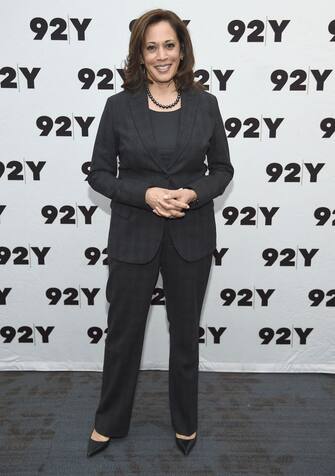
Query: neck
[(162, 89)]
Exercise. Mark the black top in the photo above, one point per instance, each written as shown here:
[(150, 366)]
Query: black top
[(165, 127)]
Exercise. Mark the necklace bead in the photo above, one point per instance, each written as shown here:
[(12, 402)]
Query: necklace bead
[(163, 106)]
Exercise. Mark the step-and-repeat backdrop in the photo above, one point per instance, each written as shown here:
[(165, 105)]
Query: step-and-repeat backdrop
[(270, 302)]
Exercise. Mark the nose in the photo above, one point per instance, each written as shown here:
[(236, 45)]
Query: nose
[(161, 54)]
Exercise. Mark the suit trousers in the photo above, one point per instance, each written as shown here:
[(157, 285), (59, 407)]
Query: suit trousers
[(129, 291)]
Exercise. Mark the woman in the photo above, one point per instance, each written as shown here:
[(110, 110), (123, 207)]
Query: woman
[(162, 127)]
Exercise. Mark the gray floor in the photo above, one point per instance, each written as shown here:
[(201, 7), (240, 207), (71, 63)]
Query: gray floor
[(249, 424)]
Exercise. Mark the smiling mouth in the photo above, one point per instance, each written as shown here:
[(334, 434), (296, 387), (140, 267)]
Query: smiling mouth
[(163, 69)]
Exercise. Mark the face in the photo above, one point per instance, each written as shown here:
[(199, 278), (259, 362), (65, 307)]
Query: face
[(161, 47)]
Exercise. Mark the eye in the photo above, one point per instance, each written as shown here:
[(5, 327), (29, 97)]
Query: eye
[(170, 44), (150, 47)]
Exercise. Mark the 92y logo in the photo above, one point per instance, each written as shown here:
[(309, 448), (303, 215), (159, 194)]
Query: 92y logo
[(246, 297), (24, 255), (324, 216), (73, 296), (319, 296), (26, 334), (293, 172), (59, 29), (255, 128), (20, 171), (67, 214), (290, 256), (66, 129), (18, 78), (257, 31), (250, 216), (267, 334), (301, 79)]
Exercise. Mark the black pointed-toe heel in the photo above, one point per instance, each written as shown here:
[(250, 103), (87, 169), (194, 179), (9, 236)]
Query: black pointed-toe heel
[(96, 446), (186, 445)]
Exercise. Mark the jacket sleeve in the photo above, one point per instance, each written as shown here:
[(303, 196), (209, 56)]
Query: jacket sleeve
[(103, 170), (220, 168)]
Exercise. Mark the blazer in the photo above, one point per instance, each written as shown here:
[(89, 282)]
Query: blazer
[(125, 163)]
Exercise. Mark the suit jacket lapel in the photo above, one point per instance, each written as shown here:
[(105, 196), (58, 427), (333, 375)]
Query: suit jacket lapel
[(141, 116)]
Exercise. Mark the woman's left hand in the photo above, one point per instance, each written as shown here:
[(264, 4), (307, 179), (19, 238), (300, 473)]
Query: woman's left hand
[(171, 201)]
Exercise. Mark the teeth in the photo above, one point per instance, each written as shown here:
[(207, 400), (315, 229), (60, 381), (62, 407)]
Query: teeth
[(163, 68)]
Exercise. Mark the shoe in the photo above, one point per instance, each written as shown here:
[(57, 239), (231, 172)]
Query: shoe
[(96, 446), (186, 445)]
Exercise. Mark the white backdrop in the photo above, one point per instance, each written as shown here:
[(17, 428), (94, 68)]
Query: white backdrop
[(270, 300)]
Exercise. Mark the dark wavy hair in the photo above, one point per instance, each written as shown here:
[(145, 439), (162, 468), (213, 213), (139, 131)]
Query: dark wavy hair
[(134, 71)]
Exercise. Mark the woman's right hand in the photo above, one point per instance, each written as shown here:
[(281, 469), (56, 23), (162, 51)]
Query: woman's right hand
[(154, 198)]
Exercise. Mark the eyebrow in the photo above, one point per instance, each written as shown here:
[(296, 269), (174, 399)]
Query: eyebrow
[(155, 42)]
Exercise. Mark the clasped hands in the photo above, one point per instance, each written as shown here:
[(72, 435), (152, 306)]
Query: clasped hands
[(169, 203)]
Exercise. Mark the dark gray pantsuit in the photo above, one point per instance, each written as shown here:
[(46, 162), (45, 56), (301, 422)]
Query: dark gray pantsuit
[(141, 243), (129, 290)]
